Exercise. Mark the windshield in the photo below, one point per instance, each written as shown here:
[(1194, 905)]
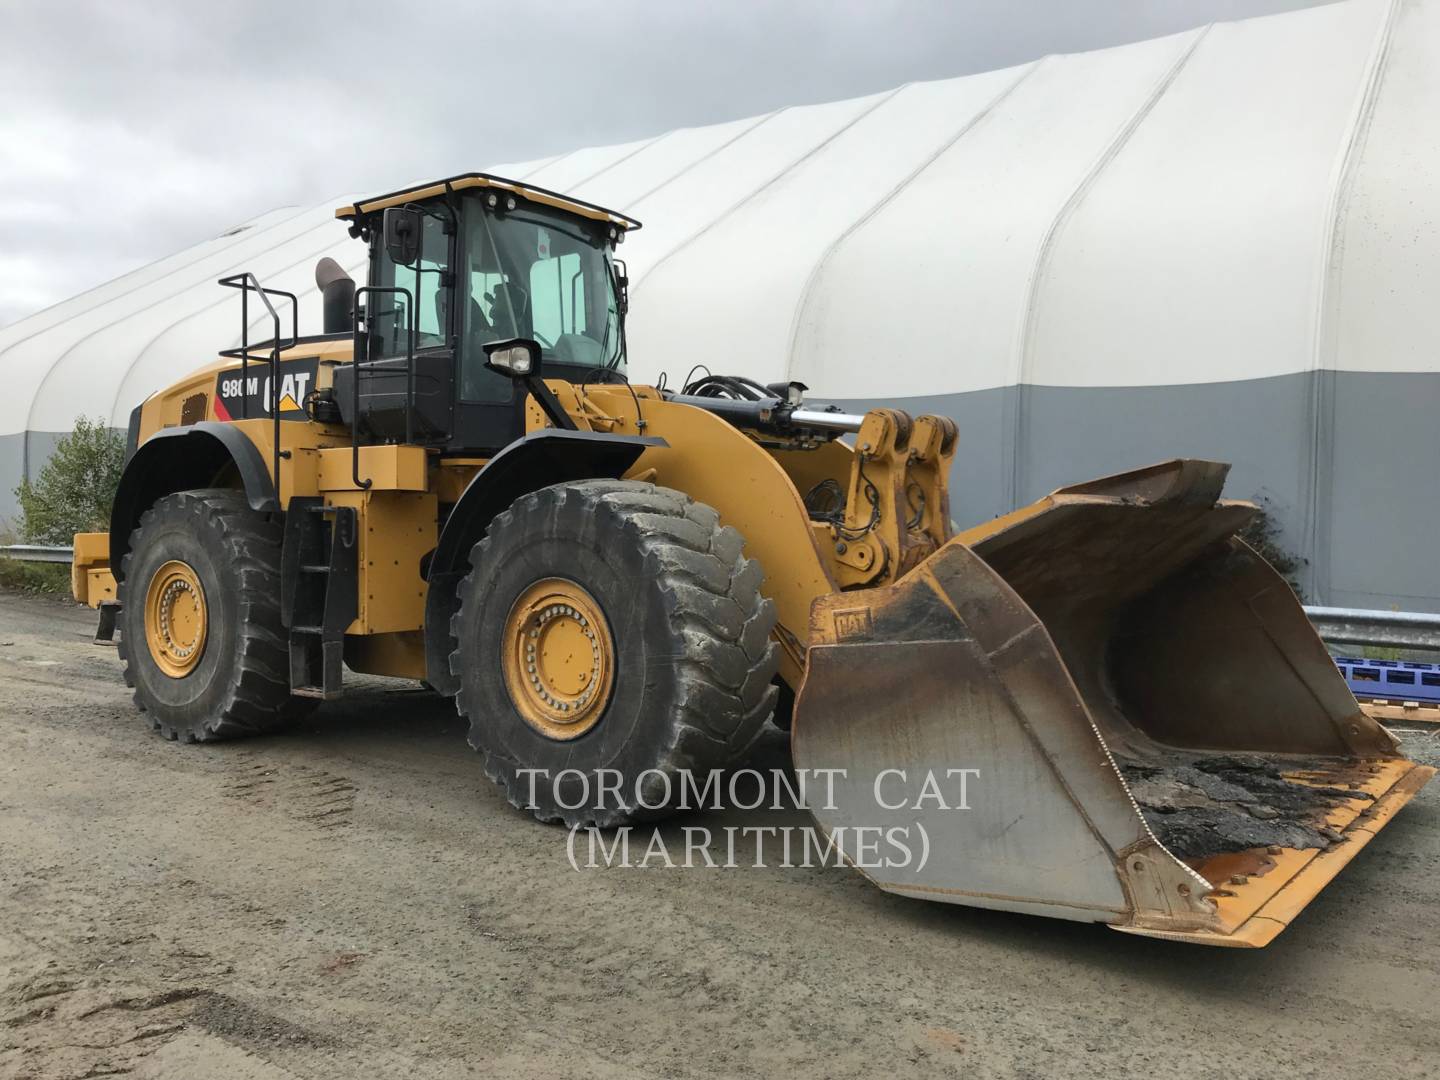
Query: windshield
[(541, 277)]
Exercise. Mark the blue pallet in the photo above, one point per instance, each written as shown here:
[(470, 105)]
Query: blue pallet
[(1394, 680)]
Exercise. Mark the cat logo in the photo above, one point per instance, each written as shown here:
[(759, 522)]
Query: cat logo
[(250, 395)]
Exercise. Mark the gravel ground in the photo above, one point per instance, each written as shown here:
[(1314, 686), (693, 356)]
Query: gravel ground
[(355, 899)]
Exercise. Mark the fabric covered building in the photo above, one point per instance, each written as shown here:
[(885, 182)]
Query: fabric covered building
[(1223, 243)]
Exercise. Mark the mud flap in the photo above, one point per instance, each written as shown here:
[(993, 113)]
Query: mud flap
[(981, 716), (109, 611)]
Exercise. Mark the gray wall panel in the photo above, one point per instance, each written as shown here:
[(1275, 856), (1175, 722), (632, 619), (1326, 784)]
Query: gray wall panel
[(15, 450), (1384, 520), (1376, 513), (1259, 426), (12, 471)]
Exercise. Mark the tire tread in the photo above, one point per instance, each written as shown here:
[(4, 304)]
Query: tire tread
[(257, 699), (717, 612)]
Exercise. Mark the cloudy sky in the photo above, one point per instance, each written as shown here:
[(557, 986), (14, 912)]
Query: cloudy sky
[(133, 129)]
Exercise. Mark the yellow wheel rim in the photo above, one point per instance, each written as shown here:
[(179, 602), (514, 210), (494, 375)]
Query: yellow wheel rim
[(559, 658), (175, 619)]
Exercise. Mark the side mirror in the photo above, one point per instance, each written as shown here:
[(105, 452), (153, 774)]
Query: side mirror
[(402, 234), (518, 358), (622, 287)]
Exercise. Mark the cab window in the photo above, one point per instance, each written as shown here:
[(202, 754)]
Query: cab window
[(389, 319)]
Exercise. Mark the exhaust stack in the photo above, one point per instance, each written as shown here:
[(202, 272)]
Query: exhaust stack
[(337, 292)]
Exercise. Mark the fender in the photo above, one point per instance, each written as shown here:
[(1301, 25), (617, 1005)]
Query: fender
[(540, 459), (178, 459)]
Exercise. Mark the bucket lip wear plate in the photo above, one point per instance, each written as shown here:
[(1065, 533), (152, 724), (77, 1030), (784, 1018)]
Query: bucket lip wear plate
[(1251, 914)]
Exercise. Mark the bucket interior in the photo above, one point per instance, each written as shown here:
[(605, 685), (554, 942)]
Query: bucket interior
[(1205, 680)]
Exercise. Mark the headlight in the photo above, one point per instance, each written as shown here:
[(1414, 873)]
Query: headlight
[(516, 360), (516, 357)]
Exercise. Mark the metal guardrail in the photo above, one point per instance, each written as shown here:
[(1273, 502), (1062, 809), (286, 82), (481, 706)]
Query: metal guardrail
[(1357, 626), (38, 553)]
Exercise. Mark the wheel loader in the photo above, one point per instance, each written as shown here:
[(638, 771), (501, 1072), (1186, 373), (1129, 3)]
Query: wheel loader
[(456, 483)]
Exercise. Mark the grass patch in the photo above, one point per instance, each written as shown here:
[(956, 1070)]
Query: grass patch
[(1381, 652), (34, 577)]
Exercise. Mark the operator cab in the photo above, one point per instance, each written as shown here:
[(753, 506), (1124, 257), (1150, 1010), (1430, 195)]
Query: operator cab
[(463, 263)]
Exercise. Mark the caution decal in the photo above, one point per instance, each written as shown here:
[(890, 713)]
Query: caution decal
[(251, 395)]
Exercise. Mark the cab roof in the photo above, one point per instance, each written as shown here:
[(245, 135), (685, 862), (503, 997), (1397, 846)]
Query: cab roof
[(466, 181)]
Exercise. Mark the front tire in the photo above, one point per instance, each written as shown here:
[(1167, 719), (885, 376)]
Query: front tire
[(610, 625), (201, 636)]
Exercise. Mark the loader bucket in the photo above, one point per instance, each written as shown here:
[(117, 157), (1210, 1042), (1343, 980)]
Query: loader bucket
[(1103, 707)]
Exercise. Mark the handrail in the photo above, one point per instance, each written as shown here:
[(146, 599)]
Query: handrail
[(245, 281)]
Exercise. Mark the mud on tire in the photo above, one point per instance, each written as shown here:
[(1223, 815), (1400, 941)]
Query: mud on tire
[(691, 632), (240, 685)]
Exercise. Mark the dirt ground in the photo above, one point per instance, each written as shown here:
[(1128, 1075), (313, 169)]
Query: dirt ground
[(355, 899)]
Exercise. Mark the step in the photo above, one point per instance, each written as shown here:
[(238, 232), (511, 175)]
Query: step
[(315, 692)]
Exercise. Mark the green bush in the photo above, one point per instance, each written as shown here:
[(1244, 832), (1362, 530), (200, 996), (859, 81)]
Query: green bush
[(34, 577), (72, 494), (75, 488)]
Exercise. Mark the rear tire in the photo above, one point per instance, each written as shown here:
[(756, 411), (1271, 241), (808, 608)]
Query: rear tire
[(224, 673), (687, 676)]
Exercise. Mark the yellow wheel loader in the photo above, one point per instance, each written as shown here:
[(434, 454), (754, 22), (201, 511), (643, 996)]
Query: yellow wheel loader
[(1103, 706)]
